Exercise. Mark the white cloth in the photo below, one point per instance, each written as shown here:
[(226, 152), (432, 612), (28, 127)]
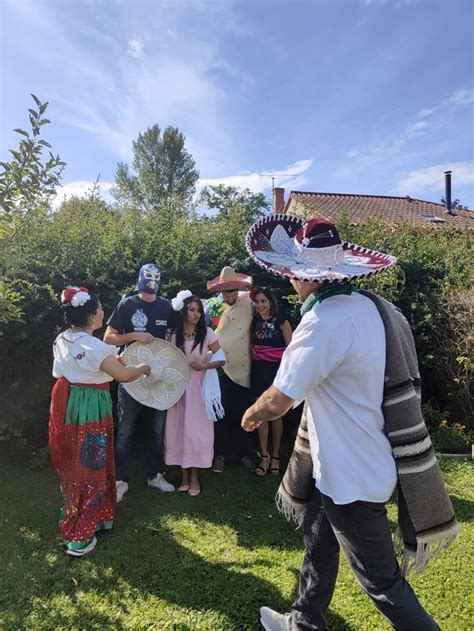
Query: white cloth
[(78, 356), (211, 391), (336, 360)]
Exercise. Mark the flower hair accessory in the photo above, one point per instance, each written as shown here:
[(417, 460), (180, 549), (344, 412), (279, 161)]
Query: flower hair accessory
[(178, 302), (75, 296)]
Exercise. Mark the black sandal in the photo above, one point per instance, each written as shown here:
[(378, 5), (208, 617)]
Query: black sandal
[(261, 467), (275, 470)]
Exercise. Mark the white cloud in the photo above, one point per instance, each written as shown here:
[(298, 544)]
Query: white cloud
[(392, 145), (82, 188), (353, 153), (135, 48), (431, 179), (177, 82), (461, 97), (291, 177), (450, 103), (415, 130)]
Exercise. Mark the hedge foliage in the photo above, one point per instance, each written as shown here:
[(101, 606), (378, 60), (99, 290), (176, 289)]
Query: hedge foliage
[(90, 243)]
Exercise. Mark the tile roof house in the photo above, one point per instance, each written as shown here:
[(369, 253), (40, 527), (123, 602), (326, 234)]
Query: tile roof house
[(390, 210)]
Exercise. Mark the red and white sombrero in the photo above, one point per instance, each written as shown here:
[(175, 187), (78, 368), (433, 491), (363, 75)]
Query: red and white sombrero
[(229, 279), (289, 246)]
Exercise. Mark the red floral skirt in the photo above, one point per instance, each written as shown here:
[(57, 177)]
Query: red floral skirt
[(81, 442)]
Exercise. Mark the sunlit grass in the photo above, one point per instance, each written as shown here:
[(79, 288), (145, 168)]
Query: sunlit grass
[(176, 562)]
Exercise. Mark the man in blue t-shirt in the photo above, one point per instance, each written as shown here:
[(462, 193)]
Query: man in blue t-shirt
[(139, 318)]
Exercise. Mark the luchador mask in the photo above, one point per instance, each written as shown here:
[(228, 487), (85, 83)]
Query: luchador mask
[(149, 278)]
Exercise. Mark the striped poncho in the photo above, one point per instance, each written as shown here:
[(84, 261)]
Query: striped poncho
[(426, 520)]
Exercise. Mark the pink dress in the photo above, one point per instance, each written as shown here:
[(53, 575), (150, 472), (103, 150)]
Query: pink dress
[(189, 434)]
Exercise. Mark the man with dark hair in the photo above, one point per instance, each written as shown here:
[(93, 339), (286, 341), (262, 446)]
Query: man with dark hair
[(140, 318), (231, 318), (353, 360)]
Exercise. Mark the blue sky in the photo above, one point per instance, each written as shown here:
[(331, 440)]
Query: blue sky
[(348, 96)]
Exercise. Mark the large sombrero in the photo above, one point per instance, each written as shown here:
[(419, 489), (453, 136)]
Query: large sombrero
[(229, 279), (169, 373), (289, 246)]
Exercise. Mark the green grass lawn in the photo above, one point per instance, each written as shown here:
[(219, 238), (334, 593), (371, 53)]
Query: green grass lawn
[(176, 562)]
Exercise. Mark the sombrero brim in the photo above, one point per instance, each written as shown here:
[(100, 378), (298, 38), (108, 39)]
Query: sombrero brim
[(270, 242), (162, 394), (241, 282)]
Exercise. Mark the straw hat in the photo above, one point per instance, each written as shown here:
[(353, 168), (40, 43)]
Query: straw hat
[(229, 279), (312, 250), (169, 373)]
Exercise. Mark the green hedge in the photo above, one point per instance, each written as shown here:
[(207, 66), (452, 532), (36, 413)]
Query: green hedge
[(87, 242)]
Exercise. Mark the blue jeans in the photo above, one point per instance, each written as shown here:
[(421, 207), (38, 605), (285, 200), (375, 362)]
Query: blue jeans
[(127, 412), (361, 529)]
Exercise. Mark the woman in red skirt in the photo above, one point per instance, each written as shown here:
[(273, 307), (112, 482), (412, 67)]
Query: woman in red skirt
[(81, 438)]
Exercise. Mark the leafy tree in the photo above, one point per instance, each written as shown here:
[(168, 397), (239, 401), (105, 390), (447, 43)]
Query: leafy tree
[(163, 170), (27, 182), (27, 185), (231, 200), (455, 204)]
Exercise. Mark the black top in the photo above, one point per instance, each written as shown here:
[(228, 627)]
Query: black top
[(134, 314), (268, 332)]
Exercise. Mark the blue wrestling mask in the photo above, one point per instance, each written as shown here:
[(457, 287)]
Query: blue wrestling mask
[(149, 278)]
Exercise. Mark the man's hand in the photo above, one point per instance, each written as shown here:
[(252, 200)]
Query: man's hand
[(271, 405), (249, 424), (144, 338)]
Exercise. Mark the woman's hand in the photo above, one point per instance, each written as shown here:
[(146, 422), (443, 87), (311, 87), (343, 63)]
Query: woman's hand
[(198, 365), (121, 360), (145, 369)]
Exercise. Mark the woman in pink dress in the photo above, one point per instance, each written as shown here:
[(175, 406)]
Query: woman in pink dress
[(189, 434)]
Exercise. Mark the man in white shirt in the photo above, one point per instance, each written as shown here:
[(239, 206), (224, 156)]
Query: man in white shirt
[(336, 361)]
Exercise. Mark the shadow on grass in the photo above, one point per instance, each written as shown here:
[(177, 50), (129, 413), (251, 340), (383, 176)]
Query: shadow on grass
[(149, 564), (463, 508), (142, 565)]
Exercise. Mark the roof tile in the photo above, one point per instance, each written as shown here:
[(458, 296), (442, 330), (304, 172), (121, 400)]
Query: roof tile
[(391, 210)]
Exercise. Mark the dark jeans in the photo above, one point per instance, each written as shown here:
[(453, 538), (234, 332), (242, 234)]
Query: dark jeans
[(362, 531), (230, 440), (128, 410)]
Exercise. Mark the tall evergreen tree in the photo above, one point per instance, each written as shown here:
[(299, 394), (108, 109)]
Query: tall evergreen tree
[(162, 170)]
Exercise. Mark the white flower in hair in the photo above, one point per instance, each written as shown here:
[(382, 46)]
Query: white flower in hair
[(178, 302), (80, 298)]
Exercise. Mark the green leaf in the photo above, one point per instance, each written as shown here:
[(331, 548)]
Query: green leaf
[(36, 99), (22, 131)]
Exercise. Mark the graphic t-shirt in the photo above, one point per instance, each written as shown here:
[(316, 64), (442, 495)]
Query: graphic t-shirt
[(132, 314)]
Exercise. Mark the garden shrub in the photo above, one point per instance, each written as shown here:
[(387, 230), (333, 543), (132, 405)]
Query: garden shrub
[(89, 242)]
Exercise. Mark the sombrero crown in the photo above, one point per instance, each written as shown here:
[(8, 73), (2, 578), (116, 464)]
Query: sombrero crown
[(310, 250), (229, 279), (169, 373)]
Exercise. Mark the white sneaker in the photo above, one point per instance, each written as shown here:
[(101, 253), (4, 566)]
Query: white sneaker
[(83, 551), (159, 482), (122, 488), (274, 621)]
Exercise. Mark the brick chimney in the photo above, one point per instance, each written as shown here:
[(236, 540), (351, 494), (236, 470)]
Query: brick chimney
[(278, 200)]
